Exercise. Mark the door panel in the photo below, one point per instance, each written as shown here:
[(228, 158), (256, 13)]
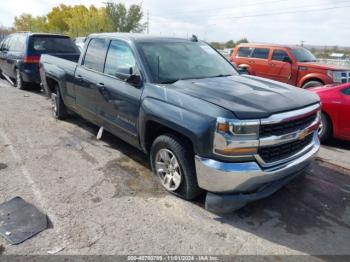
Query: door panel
[(259, 62), (118, 102), (279, 70), (344, 114)]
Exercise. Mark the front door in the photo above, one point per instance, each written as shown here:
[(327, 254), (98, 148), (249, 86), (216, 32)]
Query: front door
[(118, 102), (280, 70)]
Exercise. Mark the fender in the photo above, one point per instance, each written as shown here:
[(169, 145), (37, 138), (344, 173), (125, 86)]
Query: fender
[(195, 127), (57, 74), (308, 77)]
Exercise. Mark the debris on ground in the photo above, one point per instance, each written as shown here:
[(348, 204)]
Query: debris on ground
[(55, 250), (20, 220)]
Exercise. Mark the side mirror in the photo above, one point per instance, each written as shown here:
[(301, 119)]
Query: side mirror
[(134, 80), (287, 59)]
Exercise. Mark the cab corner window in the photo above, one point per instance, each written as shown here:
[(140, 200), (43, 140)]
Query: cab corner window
[(95, 54), (279, 55), (120, 60), (261, 53), (244, 51)]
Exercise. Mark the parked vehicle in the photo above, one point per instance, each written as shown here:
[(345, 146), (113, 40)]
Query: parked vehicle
[(293, 65), (335, 111), (80, 43), (20, 55), (205, 127)]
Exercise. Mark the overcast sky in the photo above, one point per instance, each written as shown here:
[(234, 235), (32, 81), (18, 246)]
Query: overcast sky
[(320, 22)]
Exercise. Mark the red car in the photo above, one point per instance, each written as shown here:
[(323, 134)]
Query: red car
[(335, 111)]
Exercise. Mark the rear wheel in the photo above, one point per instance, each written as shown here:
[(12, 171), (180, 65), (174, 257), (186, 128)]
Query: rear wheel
[(172, 162), (312, 84), (325, 130), (19, 81), (59, 109)]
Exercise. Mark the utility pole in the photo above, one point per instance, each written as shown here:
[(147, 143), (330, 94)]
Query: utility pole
[(302, 43), (148, 22)]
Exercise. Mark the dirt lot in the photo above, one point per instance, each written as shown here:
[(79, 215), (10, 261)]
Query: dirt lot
[(102, 198)]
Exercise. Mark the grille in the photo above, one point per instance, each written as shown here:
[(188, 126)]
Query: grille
[(276, 153), (286, 127)]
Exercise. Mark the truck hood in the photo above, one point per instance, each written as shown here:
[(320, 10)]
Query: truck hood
[(317, 65), (247, 97)]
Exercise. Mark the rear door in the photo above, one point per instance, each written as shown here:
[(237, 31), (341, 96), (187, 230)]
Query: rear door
[(280, 70), (6, 58), (118, 102), (260, 61), (88, 75), (15, 54)]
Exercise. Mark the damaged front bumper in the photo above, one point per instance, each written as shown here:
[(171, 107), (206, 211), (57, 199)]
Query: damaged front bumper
[(232, 185)]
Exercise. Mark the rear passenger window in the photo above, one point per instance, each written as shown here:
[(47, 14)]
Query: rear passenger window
[(279, 55), (261, 53), (96, 54), (244, 51)]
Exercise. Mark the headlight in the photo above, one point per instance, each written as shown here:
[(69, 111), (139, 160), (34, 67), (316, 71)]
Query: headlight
[(337, 76), (236, 137)]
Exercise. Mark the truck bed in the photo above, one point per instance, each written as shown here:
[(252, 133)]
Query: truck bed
[(66, 62)]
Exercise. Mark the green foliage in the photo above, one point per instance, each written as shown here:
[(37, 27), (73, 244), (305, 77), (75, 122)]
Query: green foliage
[(228, 44), (80, 20), (122, 20)]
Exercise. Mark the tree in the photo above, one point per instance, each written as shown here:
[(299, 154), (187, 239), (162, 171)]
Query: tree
[(58, 17), (122, 20), (26, 22), (230, 44), (242, 41)]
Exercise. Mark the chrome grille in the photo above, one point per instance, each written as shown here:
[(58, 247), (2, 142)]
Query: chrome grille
[(345, 77)]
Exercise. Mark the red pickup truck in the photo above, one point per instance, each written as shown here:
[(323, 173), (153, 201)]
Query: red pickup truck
[(293, 65)]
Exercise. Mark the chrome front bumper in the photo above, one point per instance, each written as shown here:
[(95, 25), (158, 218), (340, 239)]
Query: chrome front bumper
[(222, 177)]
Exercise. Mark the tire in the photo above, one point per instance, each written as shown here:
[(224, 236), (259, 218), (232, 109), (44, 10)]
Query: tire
[(176, 149), (312, 84), (325, 130), (58, 107), (19, 81)]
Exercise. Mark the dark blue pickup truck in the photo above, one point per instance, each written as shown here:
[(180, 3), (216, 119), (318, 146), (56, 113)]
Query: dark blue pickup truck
[(205, 127)]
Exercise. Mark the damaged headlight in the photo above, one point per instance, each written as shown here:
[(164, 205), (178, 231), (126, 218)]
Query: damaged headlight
[(236, 137)]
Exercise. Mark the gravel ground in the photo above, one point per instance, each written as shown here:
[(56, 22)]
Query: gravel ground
[(101, 197)]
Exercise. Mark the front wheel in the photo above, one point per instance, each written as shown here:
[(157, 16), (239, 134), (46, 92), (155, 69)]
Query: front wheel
[(312, 84), (325, 130), (59, 109), (172, 162)]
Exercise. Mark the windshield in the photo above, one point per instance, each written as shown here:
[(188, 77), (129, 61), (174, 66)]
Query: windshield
[(173, 61), (303, 55)]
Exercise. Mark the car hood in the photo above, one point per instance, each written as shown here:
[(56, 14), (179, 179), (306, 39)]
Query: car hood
[(322, 66), (247, 97)]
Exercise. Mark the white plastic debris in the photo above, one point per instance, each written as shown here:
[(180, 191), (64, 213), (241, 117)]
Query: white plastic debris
[(99, 134), (55, 250), (8, 233)]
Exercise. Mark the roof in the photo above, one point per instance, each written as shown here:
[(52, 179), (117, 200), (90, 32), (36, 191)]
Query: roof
[(44, 34), (269, 45), (135, 37), (337, 55)]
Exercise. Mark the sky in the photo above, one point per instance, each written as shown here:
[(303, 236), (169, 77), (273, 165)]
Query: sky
[(316, 22)]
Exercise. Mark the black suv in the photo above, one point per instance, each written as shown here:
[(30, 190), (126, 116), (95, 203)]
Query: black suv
[(20, 55)]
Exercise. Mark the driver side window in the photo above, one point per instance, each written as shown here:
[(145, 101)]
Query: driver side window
[(120, 60)]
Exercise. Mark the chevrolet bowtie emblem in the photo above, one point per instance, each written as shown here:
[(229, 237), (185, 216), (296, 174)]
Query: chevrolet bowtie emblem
[(303, 134)]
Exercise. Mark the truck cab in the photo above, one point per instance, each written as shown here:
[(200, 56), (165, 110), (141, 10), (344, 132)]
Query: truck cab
[(293, 65)]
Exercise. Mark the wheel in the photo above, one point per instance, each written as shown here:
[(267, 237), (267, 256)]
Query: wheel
[(172, 161), (325, 130), (58, 107), (312, 84), (19, 81)]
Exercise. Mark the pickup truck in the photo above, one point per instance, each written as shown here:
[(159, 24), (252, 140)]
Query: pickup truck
[(205, 127), (293, 65)]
